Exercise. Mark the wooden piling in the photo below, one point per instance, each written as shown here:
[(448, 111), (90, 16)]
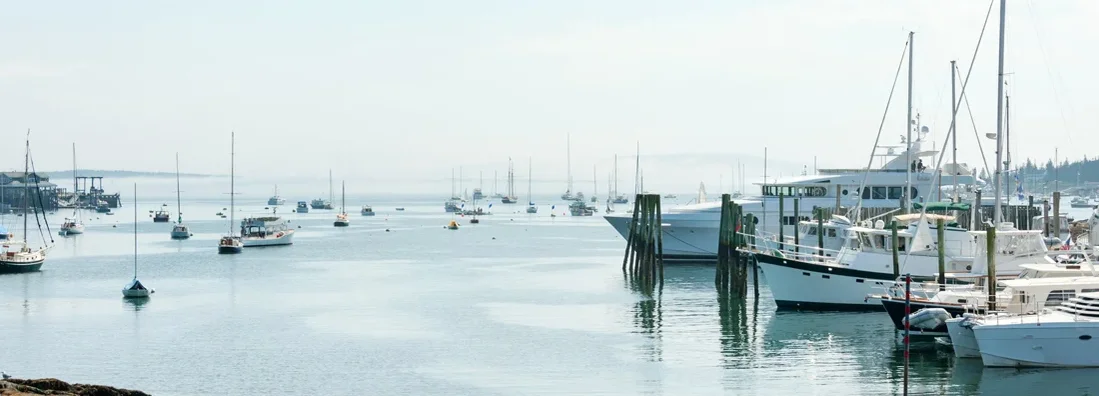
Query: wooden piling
[(1045, 217), (1056, 214), (896, 257), (990, 252), (941, 231), (797, 224), (1029, 216), (820, 231), (731, 272), (977, 221), (782, 223), (644, 262)]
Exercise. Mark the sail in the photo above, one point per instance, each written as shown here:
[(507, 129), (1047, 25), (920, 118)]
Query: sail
[(922, 241)]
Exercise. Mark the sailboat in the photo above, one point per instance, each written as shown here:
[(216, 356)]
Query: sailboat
[(510, 198), (276, 200), (17, 256), (531, 208), (230, 243), (609, 210), (618, 198), (341, 218), (179, 231), (568, 163), (594, 186), (453, 205), (73, 226), (135, 289)]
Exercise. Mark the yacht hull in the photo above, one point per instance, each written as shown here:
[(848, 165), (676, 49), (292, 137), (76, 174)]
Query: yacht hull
[(286, 238), (7, 267), (1055, 344), (686, 242), (962, 339), (800, 285), (72, 231)]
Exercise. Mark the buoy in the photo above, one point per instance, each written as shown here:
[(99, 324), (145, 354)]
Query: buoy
[(386, 230)]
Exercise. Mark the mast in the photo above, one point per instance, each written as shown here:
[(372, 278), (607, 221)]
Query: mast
[(594, 183), (954, 130), (907, 197), (343, 197), (452, 195), (568, 160), (74, 181), (26, 186), (179, 203), (615, 176), (232, 180), (135, 229), (330, 197), (999, 115), (1007, 147), (637, 179), (530, 163)]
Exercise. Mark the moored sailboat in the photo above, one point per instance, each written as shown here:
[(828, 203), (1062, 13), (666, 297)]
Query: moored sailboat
[(230, 243), (341, 218), (179, 231), (73, 226), (16, 255), (135, 289)]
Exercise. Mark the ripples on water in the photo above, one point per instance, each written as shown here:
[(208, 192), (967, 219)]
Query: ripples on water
[(515, 305)]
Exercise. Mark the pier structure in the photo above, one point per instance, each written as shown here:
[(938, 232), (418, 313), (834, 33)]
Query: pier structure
[(15, 185)]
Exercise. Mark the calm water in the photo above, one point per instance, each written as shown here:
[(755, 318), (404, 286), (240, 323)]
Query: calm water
[(514, 305)]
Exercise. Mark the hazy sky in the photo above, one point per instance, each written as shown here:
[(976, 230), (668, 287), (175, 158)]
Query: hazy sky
[(410, 89)]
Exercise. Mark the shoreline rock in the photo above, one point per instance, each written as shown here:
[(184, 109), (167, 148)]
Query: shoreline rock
[(53, 386)]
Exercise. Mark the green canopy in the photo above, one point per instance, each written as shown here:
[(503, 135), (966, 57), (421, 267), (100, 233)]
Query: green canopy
[(942, 206)]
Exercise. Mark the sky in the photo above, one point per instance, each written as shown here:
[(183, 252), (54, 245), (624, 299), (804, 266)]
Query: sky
[(390, 92)]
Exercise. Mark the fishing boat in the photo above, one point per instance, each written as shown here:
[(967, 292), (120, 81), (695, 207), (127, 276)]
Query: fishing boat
[(179, 231), (669, 196), (510, 198), (320, 203), (579, 208), (230, 243), (263, 231), (16, 255), (161, 215), (531, 207), (1080, 202), (341, 218), (135, 289), (303, 207), (367, 210), (73, 226), (276, 199)]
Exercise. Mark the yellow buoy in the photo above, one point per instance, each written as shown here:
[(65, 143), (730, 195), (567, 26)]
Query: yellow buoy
[(453, 225)]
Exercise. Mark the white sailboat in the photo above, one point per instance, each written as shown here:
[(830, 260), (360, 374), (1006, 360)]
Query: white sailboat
[(135, 289), (531, 207), (73, 226), (17, 256), (568, 164), (341, 218), (510, 198), (618, 198), (179, 231), (594, 186), (230, 243)]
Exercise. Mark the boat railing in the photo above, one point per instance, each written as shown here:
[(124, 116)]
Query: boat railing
[(767, 242)]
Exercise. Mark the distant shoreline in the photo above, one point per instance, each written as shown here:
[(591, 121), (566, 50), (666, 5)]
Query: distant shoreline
[(120, 174)]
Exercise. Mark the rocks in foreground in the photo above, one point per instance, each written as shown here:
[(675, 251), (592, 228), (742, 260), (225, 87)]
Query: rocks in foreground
[(53, 386)]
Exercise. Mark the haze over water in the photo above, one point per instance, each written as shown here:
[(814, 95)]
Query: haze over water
[(515, 305)]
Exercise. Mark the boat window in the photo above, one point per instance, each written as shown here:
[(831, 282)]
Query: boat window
[(866, 193), (789, 220), (879, 192), (865, 239), (879, 242), (915, 192), (1056, 297), (831, 232), (1089, 290), (895, 192), (812, 231)]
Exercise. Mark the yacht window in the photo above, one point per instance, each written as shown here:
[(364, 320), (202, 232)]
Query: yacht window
[(1056, 297), (879, 192), (812, 231), (844, 192), (895, 192), (866, 193), (1089, 290), (915, 193), (789, 220), (879, 241), (865, 240), (831, 232)]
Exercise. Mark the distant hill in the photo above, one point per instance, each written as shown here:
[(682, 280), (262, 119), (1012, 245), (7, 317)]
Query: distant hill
[(119, 174)]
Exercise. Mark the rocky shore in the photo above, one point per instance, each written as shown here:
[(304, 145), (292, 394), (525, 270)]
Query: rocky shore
[(53, 386)]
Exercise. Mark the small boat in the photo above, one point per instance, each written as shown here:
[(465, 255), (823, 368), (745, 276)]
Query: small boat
[(368, 211), (478, 194), (453, 225), (303, 207), (341, 218), (452, 206), (23, 258), (162, 216), (231, 244), (578, 208), (179, 231), (474, 221), (400, 209), (103, 209), (276, 199), (669, 196), (265, 231), (135, 289), (1080, 202), (531, 208), (320, 203), (73, 226)]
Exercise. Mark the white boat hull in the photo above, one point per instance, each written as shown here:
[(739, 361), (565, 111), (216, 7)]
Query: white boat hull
[(286, 238), (129, 293), (807, 286), (962, 339), (689, 240), (75, 230), (1055, 344)]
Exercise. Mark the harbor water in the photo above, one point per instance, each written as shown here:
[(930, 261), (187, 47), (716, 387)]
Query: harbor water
[(397, 304)]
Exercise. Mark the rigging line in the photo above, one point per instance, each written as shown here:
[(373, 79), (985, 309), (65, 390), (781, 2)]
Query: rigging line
[(41, 205), (881, 126), (976, 135), (1049, 72)]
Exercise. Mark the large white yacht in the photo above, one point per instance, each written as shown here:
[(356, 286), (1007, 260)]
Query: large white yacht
[(265, 231), (691, 231)]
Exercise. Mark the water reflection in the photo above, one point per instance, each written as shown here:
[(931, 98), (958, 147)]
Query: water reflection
[(735, 339), (136, 304)]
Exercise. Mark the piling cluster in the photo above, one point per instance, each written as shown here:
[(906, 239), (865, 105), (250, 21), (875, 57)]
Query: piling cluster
[(643, 262), (735, 238)]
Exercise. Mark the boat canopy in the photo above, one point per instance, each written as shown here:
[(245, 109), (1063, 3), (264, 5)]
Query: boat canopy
[(930, 217), (942, 206)]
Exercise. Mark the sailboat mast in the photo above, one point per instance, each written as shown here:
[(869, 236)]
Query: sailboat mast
[(179, 203), (999, 115), (907, 197), (530, 162), (568, 160), (74, 179), (135, 230), (954, 130), (1007, 147), (594, 183), (637, 171), (26, 185), (330, 197), (343, 197), (232, 179), (616, 175)]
